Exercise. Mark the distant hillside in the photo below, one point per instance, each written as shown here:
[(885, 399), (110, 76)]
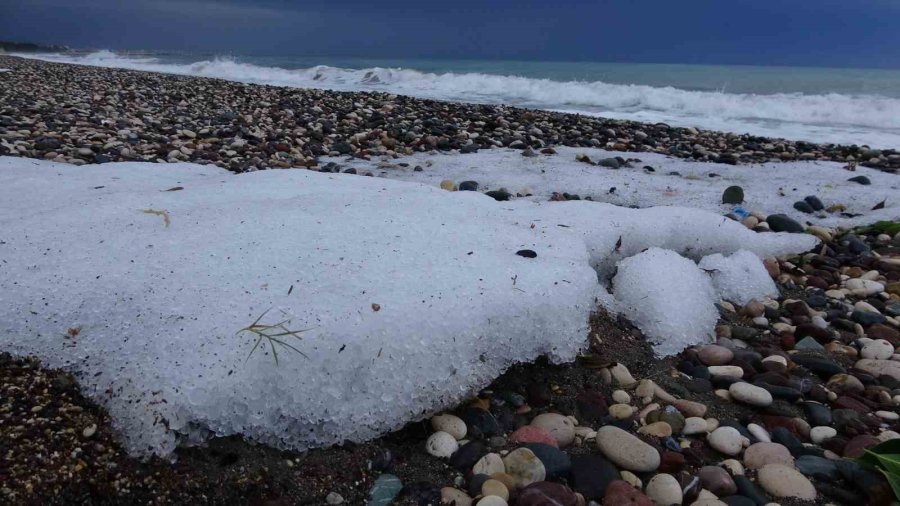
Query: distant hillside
[(29, 47)]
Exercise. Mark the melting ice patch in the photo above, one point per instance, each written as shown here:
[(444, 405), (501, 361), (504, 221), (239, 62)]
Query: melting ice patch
[(409, 298)]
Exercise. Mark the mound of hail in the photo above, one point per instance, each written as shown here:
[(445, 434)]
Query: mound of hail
[(385, 301)]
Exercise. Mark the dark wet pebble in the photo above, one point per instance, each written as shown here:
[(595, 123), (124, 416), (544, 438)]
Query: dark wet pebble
[(824, 367), (467, 455), (499, 195), (481, 423), (818, 468), (781, 223), (816, 414), (814, 203), (749, 489), (556, 462), (591, 475)]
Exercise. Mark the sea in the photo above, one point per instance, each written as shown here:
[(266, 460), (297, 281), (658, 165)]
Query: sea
[(821, 105)]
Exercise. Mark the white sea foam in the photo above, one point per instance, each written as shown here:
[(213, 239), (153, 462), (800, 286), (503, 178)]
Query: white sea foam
[(837, 118)]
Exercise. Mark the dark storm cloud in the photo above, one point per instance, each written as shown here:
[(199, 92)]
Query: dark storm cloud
[(790, 32)]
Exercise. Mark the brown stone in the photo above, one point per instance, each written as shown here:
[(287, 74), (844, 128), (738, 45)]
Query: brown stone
[(621, 493), (857, 446)]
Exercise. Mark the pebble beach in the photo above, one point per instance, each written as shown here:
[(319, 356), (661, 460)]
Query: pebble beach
[(775, 410), (78, 114)]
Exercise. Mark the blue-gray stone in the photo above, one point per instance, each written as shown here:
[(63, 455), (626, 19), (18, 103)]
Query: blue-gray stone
[(866, 318), (818, 468), (808, 343), (556, 462), (386, 488)]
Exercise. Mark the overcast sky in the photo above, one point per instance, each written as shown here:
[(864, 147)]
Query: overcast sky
[(851, 33)]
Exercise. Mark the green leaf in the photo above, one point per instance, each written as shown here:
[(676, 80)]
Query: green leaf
[(869, 459), (890, 462), (884, 456), (894, 481)]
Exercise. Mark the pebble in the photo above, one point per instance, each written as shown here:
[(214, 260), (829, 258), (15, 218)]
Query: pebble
[(715, 355), (784, 481), (451, 424), (89, 431), (887, 415), (557, 463), (864, 287), (385, 489), (694, 425), (450, 495), (495, 487), (620, 493), (733, 466), (818, 467), (532, 434), (879, 367), (546, 493), (626, 450), (622, 375), (632, 479), (656, 429), (560, 427), (690, 408), (759, 433), (760, 454), (726, 440), (750, 394), (716, 480), (490, 465), (820, 434), (731, 371), (491, 500), (441, 445), (664, 489), (621, 411), (524, 467), (621, 397), (333, 498), (878, 349)]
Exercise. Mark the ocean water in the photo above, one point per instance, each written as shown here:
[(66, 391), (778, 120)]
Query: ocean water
[(824, 105)]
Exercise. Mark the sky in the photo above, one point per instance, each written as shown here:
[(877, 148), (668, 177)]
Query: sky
[(830, 33)]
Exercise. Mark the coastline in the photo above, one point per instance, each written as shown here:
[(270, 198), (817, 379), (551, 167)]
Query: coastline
[(79, 114), (792, 347)]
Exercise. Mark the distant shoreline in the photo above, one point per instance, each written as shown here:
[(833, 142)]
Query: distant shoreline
[(79, 114)]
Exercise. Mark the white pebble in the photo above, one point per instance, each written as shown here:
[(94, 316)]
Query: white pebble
[(820, 434), (621, 397), (694, 425), (441, 445), (450, 424), (759, 433), (727, 440), (750, 394)]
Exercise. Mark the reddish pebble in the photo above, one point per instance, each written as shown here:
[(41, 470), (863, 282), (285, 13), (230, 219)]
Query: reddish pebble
[(671, 462), (532, 434), (621, 493), (545, 493), (857, 446)]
